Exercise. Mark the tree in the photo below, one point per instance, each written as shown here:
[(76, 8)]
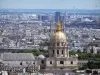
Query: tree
[(72, 52), (78, 51), (43, 44)]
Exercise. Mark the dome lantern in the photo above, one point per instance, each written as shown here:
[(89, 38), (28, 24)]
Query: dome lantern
[(58, 36), (58, 26)]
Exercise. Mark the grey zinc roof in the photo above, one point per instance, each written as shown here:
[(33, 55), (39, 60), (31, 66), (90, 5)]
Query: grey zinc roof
[(18, 57)]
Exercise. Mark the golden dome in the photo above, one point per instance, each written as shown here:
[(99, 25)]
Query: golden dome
[(58, 36)]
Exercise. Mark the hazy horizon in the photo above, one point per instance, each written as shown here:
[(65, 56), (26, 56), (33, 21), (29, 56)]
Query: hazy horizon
[(50, 4)]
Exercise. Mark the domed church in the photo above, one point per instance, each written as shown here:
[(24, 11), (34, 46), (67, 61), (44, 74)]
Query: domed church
[(58, 52)]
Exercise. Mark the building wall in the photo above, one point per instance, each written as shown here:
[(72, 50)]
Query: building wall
[(56, 63)]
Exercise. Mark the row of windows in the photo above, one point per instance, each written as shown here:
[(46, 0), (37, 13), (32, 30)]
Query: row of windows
[(58, 51), (58, 44), (62, 62), (26, 62)]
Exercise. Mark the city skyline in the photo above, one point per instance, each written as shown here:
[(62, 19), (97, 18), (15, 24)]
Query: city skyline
[(49, 37), (50, 4)]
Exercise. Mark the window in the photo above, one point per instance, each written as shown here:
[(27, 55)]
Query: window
[(42, 62), (21, 63), (57, 44), (50, 62), (61, 62), (53, 51), (71, 62), (62, 52), (57, 51), (34, 63), (62, 44), (53, 44)]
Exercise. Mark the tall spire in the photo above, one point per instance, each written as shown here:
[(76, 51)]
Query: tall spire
[(58, 25)]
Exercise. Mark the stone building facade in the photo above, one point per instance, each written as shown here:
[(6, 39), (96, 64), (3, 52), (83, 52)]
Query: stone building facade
[(58, 52)]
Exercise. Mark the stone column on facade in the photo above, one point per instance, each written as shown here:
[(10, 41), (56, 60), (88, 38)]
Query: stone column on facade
[(55, 53), (68, 53), (59, 52), (65, 52)]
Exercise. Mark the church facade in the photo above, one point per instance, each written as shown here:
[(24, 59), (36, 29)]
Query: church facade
[(58, 52)]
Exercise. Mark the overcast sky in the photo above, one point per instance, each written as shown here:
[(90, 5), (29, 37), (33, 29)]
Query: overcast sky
[(50, 4)]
